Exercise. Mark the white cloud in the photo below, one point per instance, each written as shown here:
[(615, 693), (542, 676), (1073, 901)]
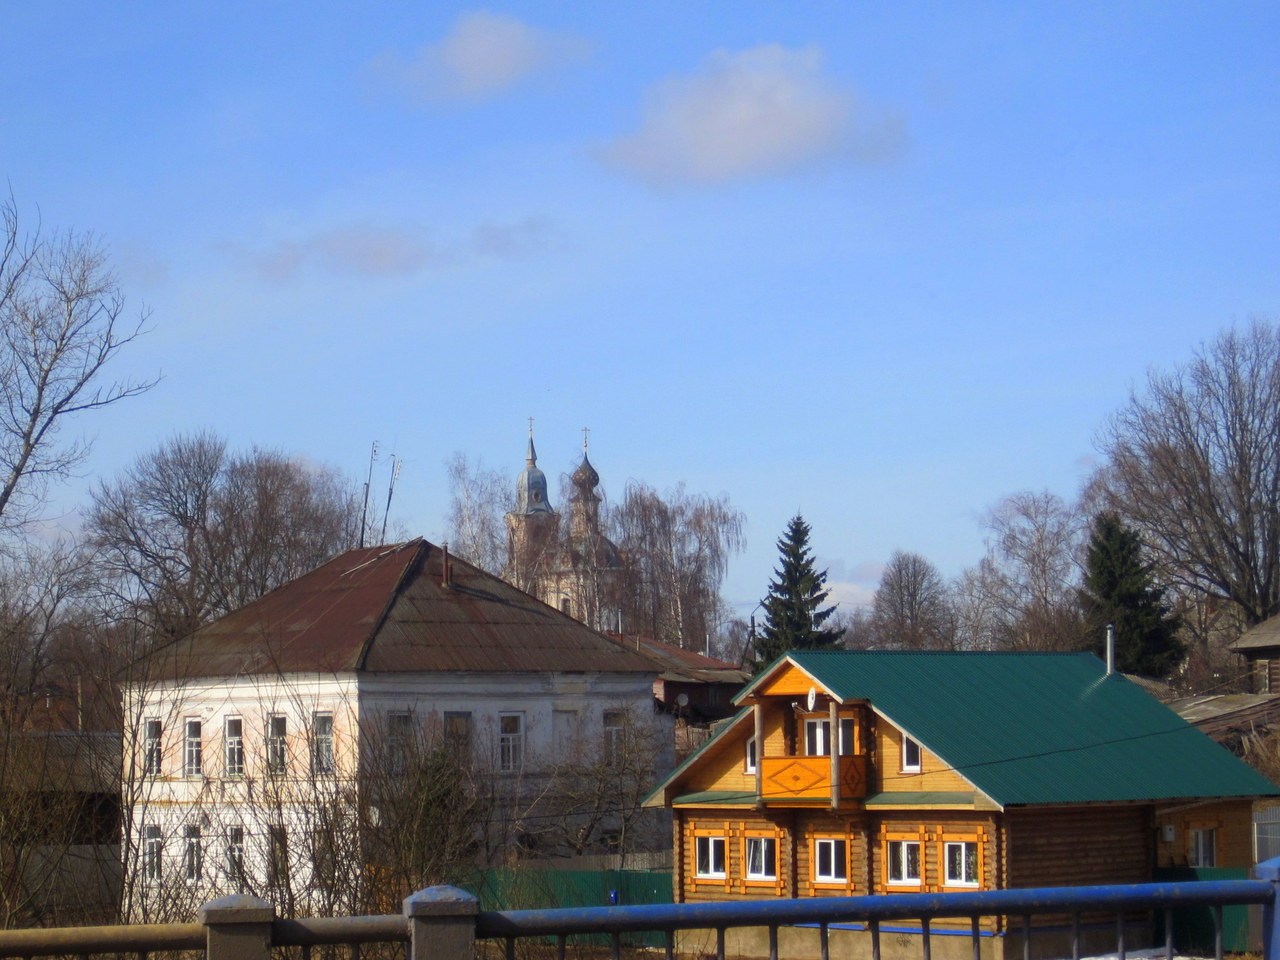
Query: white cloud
[(485, 54), (369, 250), (766, 111), (356, 249), (850, 594)]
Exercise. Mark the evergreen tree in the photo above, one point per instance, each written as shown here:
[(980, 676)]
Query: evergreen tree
[(794, 615), (1120, 589)]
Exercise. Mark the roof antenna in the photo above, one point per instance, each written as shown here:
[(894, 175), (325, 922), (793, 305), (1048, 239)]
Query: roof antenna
[(364, 512), (391, 488)]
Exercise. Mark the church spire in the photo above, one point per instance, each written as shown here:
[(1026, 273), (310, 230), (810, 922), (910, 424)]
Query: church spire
[(531, 487)]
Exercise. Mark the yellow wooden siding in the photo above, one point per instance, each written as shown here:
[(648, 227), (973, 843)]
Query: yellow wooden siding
[(735, 826), (723, 768), (934, 774), (788, 680), (1231, 821)]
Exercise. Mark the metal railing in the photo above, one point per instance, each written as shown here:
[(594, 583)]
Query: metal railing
[(443, 923)]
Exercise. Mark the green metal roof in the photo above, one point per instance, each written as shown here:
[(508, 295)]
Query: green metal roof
[(1038, 727), (921, 798), (719, 798)]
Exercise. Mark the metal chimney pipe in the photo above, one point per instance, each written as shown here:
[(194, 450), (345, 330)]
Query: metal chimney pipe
[(445, 578), (1111, 649)]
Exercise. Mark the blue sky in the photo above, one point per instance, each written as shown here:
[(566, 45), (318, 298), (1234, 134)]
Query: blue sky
[(879, 263)]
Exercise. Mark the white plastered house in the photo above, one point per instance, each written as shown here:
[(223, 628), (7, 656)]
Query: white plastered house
[(243, 739)]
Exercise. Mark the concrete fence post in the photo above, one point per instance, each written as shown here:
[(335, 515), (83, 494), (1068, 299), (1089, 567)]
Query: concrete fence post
[(237, 927), (442, 924)]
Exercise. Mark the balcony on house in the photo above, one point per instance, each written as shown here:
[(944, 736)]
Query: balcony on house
[(785, 779), (811, 773)]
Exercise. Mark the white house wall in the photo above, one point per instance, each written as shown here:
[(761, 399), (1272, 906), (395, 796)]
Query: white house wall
[(559, 713)]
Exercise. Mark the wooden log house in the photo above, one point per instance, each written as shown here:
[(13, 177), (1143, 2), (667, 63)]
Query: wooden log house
[(855, 772)]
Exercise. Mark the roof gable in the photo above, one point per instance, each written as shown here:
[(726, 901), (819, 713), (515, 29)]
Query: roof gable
[(386, 609)]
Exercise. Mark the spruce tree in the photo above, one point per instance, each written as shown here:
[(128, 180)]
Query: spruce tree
[(1120, 589), (794, 615)]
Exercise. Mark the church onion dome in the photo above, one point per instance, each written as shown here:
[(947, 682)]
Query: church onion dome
[(585, 477)]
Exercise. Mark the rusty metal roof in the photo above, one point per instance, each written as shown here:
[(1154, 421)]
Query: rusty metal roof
[(677, 663), (386, 609)]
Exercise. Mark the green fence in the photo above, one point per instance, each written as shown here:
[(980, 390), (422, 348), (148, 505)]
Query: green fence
[(525, 888), (1193, 926)]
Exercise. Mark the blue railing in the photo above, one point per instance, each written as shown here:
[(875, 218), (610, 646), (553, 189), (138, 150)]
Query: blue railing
[(442, 923), (872, 913)]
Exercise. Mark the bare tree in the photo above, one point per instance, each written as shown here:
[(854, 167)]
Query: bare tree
[(675, 552), (1194, 466), (479, 499), (61, 323), (1022, 594), (912, 608), (191, 531)]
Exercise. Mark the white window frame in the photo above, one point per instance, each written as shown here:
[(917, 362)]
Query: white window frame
[(236, 876), (152, 853), (277, 745), (510, 743), (399, 735), (192, 747), (847, 735), (152, 747), (898, 860), (322, 743), (1200, 853), (950, 879), (912, 755), (192, 854), (817, 737), (233, 747), (751, 756), (837, 853), (615, 733), (709, 851), (760, 855)]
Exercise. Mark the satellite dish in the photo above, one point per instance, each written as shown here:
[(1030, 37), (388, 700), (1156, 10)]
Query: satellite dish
[(683, 700), (812, 700)]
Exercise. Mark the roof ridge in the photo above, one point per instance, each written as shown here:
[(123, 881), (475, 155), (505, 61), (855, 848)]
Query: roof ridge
[(422, 549)]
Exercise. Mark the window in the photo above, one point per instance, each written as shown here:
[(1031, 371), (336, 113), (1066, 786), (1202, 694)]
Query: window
[(614, 733), (193, 855), (152, 853), (762, 858), (749, 766), (829, 861), (151, 732), (277, 857), (399, 733), (457, 732), (322, 743), (710, 853), (192, 750), (1202, 852), (233, 746), (961, 864), (846, 737), (235, 859), (910, 755), (510, 742), (904, 861), (817, 738), (277, 743)]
